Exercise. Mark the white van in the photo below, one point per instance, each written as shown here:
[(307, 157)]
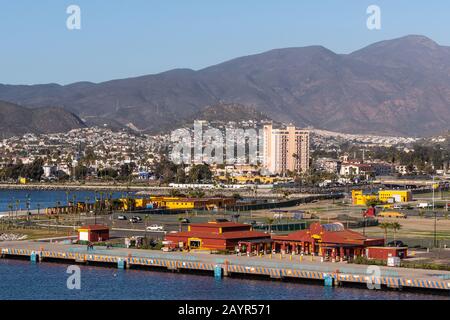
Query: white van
[(424, 205)]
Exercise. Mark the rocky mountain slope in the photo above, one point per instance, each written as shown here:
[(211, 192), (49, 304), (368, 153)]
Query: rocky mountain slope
[(394, 87), (18, 120)]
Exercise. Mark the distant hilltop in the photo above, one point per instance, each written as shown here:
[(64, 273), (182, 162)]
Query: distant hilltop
[(398, 87), (17, 120)]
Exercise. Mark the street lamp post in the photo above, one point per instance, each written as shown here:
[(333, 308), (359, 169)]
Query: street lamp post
[(364, 226), (95, 208), (435, 217), (17, 208), (58, 203), (28, 207), (433, 192), (435, 229)]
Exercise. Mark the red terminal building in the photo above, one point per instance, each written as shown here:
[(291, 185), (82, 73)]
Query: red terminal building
[(328, 240), (93, 233), (217, 236)]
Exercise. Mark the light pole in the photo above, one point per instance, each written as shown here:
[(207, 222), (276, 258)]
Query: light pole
[(17, 207), (28, 207), (95, 208), (435, 216), (58, 203), (364, 226), (435, 229), (433, 192)]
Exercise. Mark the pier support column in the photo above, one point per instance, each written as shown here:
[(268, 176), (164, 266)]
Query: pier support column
[(218, 271), (121, 263), (34, 257), (128, 261), (328, 280)]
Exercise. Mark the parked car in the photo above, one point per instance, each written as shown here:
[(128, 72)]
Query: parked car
[(185, 220), (424, 205), (396, 243), (134, 220), (155, 227), (137, 218), (122, 218)]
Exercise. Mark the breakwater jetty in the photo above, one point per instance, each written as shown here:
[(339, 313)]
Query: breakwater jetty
[(277, 266)]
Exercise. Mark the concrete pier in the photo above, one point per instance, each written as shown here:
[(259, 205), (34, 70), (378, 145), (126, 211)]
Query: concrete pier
[(280, 268)]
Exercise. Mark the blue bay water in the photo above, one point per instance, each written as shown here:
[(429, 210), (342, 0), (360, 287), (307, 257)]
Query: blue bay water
[(24, 280), (47, 198)]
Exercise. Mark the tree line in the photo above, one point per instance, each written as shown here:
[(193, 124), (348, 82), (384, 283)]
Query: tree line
[(32, 171)]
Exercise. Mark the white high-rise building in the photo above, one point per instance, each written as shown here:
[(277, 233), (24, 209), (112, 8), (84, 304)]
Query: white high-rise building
[(286, 149)]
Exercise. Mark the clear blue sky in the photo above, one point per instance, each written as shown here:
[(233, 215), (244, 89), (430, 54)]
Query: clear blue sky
[(122, 38)]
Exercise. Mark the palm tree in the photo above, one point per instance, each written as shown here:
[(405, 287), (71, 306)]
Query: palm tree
[(10, 212), (270, 221), (146, 220), (395, 227), (17, 207), (101, 200), (385, 226), (58, 203), (87, 201), (180, 220)]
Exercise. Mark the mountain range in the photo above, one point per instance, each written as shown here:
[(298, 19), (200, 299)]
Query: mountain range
[(394, 87), (18, 120)]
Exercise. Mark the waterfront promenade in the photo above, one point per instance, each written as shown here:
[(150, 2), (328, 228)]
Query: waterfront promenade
[(275, 266)]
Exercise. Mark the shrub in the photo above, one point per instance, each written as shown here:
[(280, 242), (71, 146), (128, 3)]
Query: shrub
[(364, 260)]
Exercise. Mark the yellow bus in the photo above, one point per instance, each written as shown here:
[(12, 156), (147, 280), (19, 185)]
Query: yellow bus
[(392, 214)]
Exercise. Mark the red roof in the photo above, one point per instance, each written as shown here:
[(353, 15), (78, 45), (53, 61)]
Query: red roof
[(225, 236), (340, 237), (220, 224), (94, 227)]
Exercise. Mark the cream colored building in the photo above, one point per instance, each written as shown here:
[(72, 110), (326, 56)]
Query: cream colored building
[(286, 149)]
